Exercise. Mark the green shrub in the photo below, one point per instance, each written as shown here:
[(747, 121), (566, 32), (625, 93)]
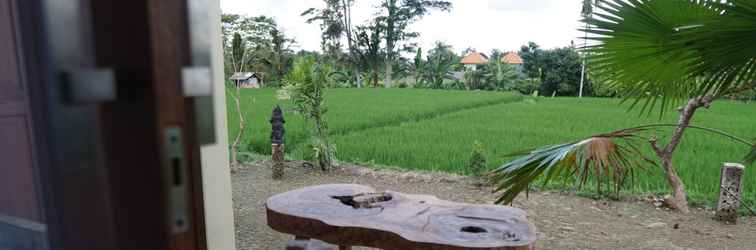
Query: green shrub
[(305, 86), (478, 162)]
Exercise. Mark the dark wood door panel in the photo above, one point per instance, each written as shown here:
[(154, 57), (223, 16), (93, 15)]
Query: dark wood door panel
[(18, 194), (17, 189), (11, 88)]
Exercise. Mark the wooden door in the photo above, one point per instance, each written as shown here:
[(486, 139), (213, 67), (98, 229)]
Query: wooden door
[(148, 55), (22, 221), (99, 170)]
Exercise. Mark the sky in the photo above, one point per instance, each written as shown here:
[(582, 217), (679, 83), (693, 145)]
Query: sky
[(479, 24)]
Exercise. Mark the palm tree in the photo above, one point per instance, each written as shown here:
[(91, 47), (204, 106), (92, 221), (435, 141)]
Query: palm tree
[(501, 76), (437, 69), (278, 57), (657, 53)]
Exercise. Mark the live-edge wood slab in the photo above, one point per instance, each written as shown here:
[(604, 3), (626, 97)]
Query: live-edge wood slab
[(356, 215)]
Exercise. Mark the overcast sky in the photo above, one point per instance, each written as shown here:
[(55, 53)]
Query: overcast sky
[(480, 24)]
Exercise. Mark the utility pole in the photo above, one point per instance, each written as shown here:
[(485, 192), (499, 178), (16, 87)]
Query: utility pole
[(587, 12)]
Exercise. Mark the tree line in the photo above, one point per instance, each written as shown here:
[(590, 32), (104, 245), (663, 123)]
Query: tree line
[(371, 54)]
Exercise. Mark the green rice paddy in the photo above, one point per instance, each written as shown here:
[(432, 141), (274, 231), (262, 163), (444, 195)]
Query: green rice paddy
[(434, 130)]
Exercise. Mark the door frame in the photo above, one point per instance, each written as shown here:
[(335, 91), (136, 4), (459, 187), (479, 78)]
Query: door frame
[(58, 185)]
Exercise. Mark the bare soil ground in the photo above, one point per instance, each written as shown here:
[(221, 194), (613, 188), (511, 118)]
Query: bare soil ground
[(563, 221)]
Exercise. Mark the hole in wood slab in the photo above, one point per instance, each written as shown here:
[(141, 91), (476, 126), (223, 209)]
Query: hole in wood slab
[(363, 200), (510, 236), (473, 230)]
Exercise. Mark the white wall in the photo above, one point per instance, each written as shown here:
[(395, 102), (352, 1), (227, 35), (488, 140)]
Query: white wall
[(216, 175)]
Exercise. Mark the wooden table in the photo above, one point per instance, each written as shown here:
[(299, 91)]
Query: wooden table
[(355, 215)]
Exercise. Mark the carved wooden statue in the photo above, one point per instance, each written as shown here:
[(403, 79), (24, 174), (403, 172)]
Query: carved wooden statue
[(277, 142), (354, 215)]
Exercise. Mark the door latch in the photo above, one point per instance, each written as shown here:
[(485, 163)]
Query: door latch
[(176, 165)]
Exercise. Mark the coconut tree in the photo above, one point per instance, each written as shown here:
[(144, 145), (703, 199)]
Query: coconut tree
[(658, 54)]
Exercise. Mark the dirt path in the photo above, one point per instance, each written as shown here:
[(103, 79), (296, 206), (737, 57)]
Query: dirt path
[(563, 221)]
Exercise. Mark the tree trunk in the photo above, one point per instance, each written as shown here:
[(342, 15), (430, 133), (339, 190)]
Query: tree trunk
[(347, 22), (358, 76), (679, 200), (387, 79), (391, 38), (242, 124), (375, 78)]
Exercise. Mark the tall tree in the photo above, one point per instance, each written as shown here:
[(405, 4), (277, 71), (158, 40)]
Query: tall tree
[(369, 50), (417, 67), (560, 71), (245, 40), (531, 56), (330, 25), (238, 53), (397, 16), (279, 57), (336, 22)]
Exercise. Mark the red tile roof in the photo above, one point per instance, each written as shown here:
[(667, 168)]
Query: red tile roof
[(512, 58), (474, 58)]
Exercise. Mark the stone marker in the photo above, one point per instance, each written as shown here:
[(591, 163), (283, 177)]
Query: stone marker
[(730, 188), (277, 142)]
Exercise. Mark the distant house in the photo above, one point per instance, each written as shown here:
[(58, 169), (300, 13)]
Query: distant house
[(247, 80), (472, 60), (514, 59)]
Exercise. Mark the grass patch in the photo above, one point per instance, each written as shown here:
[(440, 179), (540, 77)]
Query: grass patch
[(434, 130), (443, 144), (353, 110)]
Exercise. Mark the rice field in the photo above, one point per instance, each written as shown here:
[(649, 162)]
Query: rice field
[(434, 130), (351, 110)]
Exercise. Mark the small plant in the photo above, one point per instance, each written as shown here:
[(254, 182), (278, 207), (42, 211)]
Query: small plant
[(478, 160), (305, 86)]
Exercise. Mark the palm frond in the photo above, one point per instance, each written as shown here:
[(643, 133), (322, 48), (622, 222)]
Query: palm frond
[(729, 46), (661, 52), (609, 158)]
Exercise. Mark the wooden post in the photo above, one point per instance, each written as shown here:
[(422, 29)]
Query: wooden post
[(277, 142), (278, 160), (730, 187)]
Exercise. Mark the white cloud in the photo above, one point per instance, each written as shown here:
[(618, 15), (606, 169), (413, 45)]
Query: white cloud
[(529, 5), (480, 24)]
